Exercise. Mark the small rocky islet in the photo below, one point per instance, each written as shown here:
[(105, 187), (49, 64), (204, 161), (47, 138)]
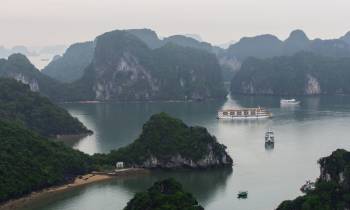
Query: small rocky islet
[(165, 194), (167, 142)]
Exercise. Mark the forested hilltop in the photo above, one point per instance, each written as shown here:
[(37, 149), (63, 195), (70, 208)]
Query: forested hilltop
[(332, 188), (167, 142), (18, 67), (19, 104), (30, 162), (301, 74), (165, 194)]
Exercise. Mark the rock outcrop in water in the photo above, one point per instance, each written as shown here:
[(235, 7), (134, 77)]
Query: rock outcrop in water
[(300, 74), (332, 189), (165, 194), (166, 142)]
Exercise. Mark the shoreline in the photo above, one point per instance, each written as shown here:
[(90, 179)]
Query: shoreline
[(141, 101), (79, 181)]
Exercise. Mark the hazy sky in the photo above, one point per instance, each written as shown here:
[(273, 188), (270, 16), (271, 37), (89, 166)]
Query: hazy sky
[(45, 22)]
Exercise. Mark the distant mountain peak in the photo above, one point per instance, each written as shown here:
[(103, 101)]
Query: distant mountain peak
[(19, 59), (347, 34), (194, 36), (260, 37), (297, 35), (346, 37)]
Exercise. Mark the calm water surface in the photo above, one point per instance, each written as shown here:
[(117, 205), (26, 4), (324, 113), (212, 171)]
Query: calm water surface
[(271, 175)]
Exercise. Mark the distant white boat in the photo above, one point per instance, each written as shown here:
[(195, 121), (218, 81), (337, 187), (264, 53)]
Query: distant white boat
[(244, 113), (292, 101)]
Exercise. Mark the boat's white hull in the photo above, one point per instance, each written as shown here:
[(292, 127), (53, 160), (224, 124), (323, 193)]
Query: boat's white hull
[(242, 117), (290, 103), (243, 114)]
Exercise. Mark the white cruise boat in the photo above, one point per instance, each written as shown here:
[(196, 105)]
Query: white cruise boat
[(244, 113), (292, 101), (269, 137)]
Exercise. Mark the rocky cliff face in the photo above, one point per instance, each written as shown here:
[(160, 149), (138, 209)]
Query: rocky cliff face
[(210, 160), (32, 82), (18, 67), (300, 74), (312, 86), (268, 46), (125, 69), (336, 168)]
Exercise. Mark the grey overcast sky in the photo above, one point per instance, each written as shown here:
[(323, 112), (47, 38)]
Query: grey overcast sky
[(46, 22)]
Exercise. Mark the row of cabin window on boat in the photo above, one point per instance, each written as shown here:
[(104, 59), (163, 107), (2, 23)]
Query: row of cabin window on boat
[(240, 113)]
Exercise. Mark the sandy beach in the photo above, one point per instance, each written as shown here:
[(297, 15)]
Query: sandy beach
[(80, 181)]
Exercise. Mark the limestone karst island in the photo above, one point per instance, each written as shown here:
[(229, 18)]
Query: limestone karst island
[(174, 105)]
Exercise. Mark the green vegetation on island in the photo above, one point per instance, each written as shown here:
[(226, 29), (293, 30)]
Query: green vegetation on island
[(332, 189), (135, 65), (18, 103), (18, 67), (301, 74), (166, 142), (167, 194), (268, 46), (29, 162), (125, 69)]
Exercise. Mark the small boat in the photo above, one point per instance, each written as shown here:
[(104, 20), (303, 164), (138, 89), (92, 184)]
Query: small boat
[(242, 195), (269, 137), (292, 101), (244, 113)]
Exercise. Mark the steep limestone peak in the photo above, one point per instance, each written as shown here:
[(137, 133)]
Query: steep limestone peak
[(19, 59), (297, 35)]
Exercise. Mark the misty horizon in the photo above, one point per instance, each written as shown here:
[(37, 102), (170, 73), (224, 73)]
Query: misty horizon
[(190, 35), (52, 22)]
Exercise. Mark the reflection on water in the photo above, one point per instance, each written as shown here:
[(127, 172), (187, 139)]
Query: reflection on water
[(203, 183), (118, 124), (303, 134), (269, 146)]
